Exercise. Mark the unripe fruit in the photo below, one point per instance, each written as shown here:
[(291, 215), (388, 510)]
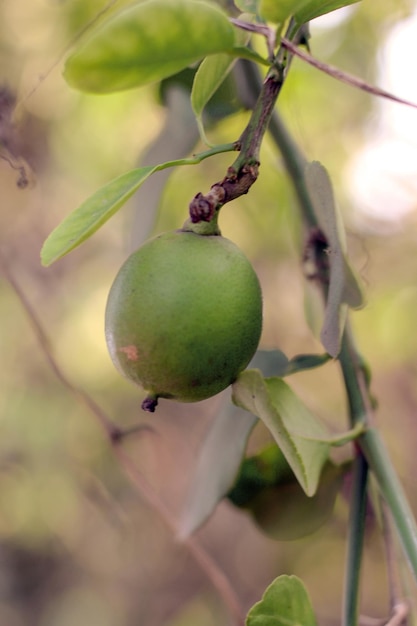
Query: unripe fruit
[(184, 316)]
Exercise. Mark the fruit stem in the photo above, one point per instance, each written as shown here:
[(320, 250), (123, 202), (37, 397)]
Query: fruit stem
[(150, 403)]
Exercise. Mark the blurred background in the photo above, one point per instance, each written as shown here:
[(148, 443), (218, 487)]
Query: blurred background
[(78, 543)]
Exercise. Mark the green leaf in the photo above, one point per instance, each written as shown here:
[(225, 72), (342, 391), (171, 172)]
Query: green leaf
[(315, 8), (98, 208), (284, 603), (209, 76), (278, 11), (218, 463), (343, 287), (92, 214), (273, 401), (146, 43)]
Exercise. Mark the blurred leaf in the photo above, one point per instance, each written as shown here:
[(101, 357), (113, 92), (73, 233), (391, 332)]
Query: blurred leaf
[(343, 287), (210, 75), (270, 362), (315, 8), (278, 11), (146, 43), (303, 362), (285, 513), (93, 213), (247, 6), (273, 401), (218, 464), (284, 603)]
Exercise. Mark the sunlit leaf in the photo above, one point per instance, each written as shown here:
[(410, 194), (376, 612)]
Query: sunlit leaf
[(146, 43), (343, 287), (315, 8), (284, 603), (278, 11), (98, 208), (218, 464), (92, 214), (273, 401)]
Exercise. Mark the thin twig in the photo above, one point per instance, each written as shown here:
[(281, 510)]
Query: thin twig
[(114, 435), (343, 77)]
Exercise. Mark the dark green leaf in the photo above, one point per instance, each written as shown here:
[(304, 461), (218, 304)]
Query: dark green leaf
[(284, 603), (273, 401), (146, 43)]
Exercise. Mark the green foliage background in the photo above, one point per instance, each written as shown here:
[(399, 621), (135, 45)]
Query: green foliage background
[(77, 544)]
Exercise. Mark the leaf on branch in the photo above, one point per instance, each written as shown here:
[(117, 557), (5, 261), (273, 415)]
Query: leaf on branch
[(278, 11), (315, 8), (92, 214), (146, 43), (344, 289), (211, 73), (219, 461), (103, 204), (284, 603), (273, 401)]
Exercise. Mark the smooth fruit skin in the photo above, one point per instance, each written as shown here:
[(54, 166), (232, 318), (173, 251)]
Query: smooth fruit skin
[(184, 316)]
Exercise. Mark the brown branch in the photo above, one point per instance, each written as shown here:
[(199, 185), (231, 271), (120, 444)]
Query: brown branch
[(114, 435), (343, 77)]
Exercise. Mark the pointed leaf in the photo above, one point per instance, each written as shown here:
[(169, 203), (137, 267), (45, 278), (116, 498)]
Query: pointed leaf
[(342, 284), (92, 214), (284, 603), (147, 42), (218, 464), (315, 8), (273, 401)]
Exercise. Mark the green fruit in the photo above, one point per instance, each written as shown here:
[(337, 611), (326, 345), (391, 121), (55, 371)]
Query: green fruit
[(184, 316)]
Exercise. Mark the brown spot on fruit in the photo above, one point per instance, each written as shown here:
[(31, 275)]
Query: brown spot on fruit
[(131, 352)]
